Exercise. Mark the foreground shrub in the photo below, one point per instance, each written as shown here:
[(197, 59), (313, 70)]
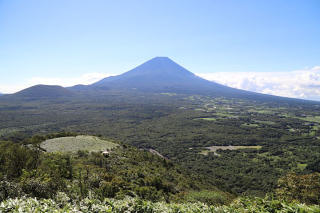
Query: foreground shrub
[(302, 188), (62, 204), (208, 197), (9, 190)]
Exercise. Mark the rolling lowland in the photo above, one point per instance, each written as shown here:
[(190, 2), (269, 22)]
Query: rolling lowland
[(179, 143)]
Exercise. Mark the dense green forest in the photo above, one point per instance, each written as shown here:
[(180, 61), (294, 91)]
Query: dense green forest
[(28, 170), (180, 127), (259, 147)]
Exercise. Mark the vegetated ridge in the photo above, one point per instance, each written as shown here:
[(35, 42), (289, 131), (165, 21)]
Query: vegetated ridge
[(44, 91)]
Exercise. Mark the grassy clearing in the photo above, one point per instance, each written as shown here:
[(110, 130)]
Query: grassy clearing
[(168, 94), (310, 118), (214, 149), (216, 198), (261, 111), (315, 119), (193, 97), (206, 119), (226, 115), (302, 166), (250, 125), (6, 131), (199, 109), (316, 128), (291, 129), (265, 122), (74, 144)]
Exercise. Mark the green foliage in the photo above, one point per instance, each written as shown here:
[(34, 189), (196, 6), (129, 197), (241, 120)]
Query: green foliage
[(253, 205), (62, 204), (14, 158), (303, 188), (51, 175), (126, 171), (314, 166), (9, 189), (208, 197)]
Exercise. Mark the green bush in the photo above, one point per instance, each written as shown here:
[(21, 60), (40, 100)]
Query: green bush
[(9, 190), (302, 188), (63, 204), (208, 197)]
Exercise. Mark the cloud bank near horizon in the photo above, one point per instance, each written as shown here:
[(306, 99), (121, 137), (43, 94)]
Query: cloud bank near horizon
[(85, 79), (304, 84)]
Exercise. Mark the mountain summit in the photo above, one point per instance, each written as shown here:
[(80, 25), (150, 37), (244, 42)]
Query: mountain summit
[(156, 69), (157, 74)]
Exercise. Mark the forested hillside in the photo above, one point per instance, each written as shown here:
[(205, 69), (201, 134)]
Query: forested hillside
[(127, 179), (27, 169)]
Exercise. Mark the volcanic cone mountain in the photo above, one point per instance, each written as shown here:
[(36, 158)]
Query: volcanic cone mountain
[(161, 74)]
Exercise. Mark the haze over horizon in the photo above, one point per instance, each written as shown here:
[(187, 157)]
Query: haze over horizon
[(269, 47)]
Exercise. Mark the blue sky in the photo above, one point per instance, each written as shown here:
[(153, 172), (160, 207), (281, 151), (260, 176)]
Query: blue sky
[(78, 41)]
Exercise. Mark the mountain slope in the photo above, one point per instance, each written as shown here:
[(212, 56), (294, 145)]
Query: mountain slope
[(157, 74), (43, 91)]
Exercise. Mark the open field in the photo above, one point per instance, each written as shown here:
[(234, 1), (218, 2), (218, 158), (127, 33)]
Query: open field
[(249, 125), (226, 115), (311, 118), (168, 93), (214, 149), (9, 130), (74, 144), (265, 122), (262, 111), (206, 119)]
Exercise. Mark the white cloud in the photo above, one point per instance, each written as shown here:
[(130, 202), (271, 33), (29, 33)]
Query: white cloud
[(303, 84), (87, 78)]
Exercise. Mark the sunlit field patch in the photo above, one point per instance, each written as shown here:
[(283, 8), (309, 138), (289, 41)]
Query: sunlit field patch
[(74, 144), (214, 149)]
